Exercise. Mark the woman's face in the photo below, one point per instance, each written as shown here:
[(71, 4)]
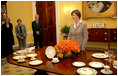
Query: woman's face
[(19, 22), (7, 20), (75, 17)]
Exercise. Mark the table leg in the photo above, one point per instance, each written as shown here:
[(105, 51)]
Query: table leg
[(40, 72)]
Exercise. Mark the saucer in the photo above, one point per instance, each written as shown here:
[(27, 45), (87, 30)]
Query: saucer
[(106, 72), (22, 60), (33, 59)]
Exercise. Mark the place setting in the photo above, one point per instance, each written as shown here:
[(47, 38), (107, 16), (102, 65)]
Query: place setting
[(21, 55), (35, 62), (50, 54), (78, 64), (86, 71)]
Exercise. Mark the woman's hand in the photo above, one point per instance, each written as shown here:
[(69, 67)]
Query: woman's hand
[(37, 32), (22, 37)]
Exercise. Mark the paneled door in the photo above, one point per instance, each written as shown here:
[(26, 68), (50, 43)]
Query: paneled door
[(46, 11)]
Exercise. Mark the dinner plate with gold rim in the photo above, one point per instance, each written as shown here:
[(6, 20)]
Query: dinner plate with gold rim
[(78, 64), (31, 55), (86, 71), (36, 62), (50, 52), (96, 64), (17, 57), (100, 55)]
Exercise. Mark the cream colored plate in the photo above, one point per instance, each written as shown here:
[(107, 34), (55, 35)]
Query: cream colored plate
[(17, 57), (21, 61), (31, 55), (99, 55), (31, 48), (50, 52), (86, 71), (96, 64), (20, 51), (78, 64), (115, 64), (106, 72), (36, 62)]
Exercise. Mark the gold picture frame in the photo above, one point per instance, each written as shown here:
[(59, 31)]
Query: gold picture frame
[(88, 13)]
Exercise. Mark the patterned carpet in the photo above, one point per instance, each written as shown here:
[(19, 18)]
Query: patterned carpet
[(10, 69)]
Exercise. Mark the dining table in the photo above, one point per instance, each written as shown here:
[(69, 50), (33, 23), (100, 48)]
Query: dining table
[(64, 66)]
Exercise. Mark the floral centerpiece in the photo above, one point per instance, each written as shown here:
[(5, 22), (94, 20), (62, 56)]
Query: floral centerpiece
[(66, 48)]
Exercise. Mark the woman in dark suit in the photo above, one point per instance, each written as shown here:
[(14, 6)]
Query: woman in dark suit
[(7, 37)]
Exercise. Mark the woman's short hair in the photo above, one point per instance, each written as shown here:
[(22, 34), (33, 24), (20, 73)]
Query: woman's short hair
[(19, 20), (77, 12)]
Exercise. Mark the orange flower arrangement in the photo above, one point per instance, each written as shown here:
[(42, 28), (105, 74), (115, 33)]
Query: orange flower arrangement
[(67, 47)]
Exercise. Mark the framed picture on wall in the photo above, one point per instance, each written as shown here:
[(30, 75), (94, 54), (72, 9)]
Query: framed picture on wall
[(3, 11), (93, 9)]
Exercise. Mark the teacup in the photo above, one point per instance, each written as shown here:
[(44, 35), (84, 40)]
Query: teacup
[(21, 59), (107, 68), (32, 58), (55, 59), (115, 63)]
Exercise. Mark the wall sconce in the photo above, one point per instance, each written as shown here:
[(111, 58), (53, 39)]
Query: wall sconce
[(68, 10)]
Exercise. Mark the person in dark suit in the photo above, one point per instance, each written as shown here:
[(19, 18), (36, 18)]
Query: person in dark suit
[(7, 38), (37, 27)]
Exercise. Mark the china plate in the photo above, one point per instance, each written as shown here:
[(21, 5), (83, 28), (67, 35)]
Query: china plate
[(31, 55), (20, 51), (115, 67), (78, 64), (31, 48), (99, 55), (106, 72), (21, 61), (50, 52), (36, 62), (115, 64), (17, 57), (86, 71), (96, 64)]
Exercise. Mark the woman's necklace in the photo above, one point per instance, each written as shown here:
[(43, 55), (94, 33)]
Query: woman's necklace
[(7, 25)]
